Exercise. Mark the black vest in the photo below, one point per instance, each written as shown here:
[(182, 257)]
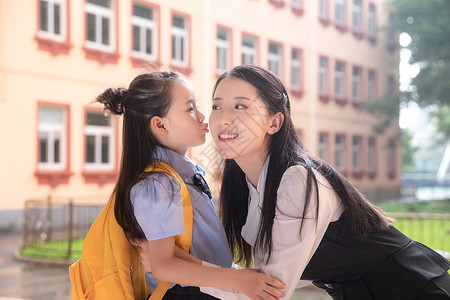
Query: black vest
[(383, 265)]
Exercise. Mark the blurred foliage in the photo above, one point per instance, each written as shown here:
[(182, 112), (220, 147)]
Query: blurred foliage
[(434, 206), (408, 151), (428, 24)]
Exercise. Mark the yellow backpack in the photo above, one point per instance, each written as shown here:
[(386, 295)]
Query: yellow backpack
[(109, 266)]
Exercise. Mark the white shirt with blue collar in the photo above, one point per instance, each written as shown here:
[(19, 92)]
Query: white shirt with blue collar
[(159, 211)]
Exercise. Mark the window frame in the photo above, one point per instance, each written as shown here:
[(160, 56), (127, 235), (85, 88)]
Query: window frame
[(225, 45), (98, 132), (340, 98), (50, 34), (101, 12), (144, 24), (371, 86), (341, 25), (296, 67), (372, 22), (342, 150), (275, 58), (245, 50), (357, 19), (371, 157), (324, 146), (357, 82), (357, 157), (324, 80), (54, 175)]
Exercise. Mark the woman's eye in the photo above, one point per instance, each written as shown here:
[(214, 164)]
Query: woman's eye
[(191, 109), (215, 107), (240, 106)]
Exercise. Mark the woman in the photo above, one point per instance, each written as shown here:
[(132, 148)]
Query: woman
[(297, 218)]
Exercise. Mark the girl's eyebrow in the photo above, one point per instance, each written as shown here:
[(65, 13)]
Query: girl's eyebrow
[(190, 101)]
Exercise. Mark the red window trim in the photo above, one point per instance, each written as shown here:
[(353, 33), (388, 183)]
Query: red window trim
[(185, 70), (298, 92), (230, 31), (52, 46), (359, 174), (256, 38), (344, 170), (373, 174), (277, 3), (341, 101), (282, 67), (137, 61), (99, 177), (101, 56), (50, 177), (325, 98)]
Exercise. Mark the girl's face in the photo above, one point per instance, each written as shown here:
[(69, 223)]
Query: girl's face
[(184, 121), (239, 121)]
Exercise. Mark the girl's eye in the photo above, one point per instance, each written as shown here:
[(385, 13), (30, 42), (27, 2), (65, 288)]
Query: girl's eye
[(239, 106), (215, 107), (191, 109)]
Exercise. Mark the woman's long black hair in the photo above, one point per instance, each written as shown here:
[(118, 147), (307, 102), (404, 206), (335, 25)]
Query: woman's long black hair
[(285, 150), (148, 95)]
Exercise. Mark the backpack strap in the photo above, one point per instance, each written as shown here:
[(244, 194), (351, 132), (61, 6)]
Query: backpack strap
[(183, 240)]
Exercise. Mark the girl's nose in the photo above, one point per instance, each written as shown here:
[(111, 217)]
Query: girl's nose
[(200, 116)]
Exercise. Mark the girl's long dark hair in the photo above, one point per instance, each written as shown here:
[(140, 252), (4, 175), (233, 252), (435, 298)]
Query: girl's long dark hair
[(148, 95), (285, 150)]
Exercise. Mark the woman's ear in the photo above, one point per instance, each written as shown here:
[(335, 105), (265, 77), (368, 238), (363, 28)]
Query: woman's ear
[(157, 125), (277, 123)]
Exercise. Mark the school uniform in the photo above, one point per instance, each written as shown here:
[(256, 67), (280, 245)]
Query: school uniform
[(159, 211), (385, 265)]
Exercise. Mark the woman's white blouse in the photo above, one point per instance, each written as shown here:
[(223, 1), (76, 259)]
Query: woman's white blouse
[(291, 250)]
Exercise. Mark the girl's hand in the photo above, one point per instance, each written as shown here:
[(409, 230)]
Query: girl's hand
[(257, 285)]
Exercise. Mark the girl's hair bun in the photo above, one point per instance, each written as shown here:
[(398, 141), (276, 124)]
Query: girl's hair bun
[(113, 99)]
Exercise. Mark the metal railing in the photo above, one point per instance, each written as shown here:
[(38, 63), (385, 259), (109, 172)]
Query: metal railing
[(56, 226), (432, 230)]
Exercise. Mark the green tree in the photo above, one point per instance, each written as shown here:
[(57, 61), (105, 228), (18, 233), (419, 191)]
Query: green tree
[(428, 24), (408, 151)]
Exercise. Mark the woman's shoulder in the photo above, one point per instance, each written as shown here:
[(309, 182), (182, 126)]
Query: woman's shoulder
[(296, 176)]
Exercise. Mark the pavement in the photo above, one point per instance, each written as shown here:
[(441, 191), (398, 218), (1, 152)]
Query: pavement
[(44, 281)]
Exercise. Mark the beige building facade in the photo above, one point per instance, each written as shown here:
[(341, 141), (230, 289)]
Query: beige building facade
[(57, 55)]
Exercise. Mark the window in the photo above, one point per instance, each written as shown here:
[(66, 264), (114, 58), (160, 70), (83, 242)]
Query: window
[(323, 74), (371, 26), (297, 7), (275, 59), (356, 154), (356, 85), (52, 129), (357, 16), (100, 25), (371, 155), (339, 154), (248, 50), (339, 78), (296, 69), (52, 20), (296, 3), (392, 85), (339, 12), (391, 160), (223, 50), (371, 80), (99, 141), (323, 146), (144, 31), (179, 41), (323, 9)]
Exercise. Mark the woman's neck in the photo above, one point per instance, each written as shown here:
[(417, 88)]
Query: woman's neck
[(252, 166)]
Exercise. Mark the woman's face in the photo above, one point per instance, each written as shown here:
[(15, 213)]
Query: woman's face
[(239, 120)]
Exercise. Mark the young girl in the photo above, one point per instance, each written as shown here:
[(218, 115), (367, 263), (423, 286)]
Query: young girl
[(295, 216), (161, 122)]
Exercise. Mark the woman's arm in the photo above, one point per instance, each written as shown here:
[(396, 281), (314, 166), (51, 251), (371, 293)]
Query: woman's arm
[(167, 267)]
